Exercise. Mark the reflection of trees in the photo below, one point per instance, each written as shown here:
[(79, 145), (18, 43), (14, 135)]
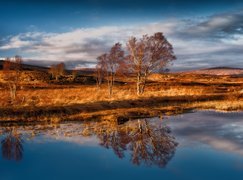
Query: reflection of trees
[(12, 147), (147, 142), (12, 141)]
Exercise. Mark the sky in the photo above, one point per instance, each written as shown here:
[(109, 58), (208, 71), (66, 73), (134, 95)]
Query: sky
[(204, 34)]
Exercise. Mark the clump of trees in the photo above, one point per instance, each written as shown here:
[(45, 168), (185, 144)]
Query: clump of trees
[(11, 73), (57, 70), (74, 74), (144, 56)]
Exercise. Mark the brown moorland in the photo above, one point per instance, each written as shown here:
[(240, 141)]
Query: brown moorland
[(40, 99)]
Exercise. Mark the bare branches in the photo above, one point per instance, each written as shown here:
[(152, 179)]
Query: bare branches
[(57, 70), (101, 68), (115, 56), (12, 72), (74, 74), (149, 54), (108, 64)]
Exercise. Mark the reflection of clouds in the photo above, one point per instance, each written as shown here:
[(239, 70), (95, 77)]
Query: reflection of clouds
[(223, 144), (79, 140), (220, 130), (68, 132)]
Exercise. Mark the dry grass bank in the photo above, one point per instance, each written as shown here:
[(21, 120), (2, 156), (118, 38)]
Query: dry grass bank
[(164, 95), (90, 94), (85, 103)]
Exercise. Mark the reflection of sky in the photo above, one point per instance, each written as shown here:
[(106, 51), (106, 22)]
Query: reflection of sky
[(219, 130), (210, 147)]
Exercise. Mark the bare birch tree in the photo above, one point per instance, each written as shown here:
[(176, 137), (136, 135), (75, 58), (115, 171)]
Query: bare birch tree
[(101, 69), (12, 73), (147, 55), (108, 64), (74, 74), (116, 55), (57, 70)]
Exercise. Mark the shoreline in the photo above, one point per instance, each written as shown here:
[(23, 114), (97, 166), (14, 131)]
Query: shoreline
[(118, 111)]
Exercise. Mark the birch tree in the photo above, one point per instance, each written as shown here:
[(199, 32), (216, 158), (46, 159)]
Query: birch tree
[(101, 69), (107, 65), (57, 70), (12, 72), (116, 55), (146, 55)]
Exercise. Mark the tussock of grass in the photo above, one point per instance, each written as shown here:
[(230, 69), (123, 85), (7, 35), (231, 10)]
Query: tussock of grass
[(220, 105)]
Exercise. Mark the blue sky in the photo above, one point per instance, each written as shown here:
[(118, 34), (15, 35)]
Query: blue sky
[(204, 33)]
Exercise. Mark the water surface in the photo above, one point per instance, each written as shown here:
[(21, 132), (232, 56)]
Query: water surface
[(200, 145)]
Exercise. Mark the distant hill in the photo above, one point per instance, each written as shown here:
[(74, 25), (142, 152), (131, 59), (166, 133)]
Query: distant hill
[(216, 71), (39, 74), (27, 67), (208, 71), (87, 71), (91, 71)]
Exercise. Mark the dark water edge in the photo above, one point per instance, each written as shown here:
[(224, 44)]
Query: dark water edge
[(199, 145)]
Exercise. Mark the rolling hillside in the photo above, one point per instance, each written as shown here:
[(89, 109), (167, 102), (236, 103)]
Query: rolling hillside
[(217, 71), (28, 67)]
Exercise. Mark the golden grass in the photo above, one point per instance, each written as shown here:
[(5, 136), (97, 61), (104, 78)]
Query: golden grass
[(85, 102), (90, 94), (225, 105)]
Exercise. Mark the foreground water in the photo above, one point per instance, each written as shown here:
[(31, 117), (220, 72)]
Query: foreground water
[(200, 145)]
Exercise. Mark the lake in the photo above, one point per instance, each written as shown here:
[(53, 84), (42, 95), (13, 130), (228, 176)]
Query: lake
[(198, 145)]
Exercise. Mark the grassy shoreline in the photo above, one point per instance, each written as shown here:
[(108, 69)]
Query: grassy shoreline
[(164, 95), (119, 110)]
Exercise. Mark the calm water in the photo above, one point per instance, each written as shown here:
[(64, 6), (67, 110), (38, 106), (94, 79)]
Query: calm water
[(200, 145)]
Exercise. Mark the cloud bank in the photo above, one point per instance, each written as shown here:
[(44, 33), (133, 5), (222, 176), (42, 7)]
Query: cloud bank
[(200, 43)]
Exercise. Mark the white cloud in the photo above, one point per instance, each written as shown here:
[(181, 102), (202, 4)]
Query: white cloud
[(16, 42), (80, 44), (236, 39), (192, 41)]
